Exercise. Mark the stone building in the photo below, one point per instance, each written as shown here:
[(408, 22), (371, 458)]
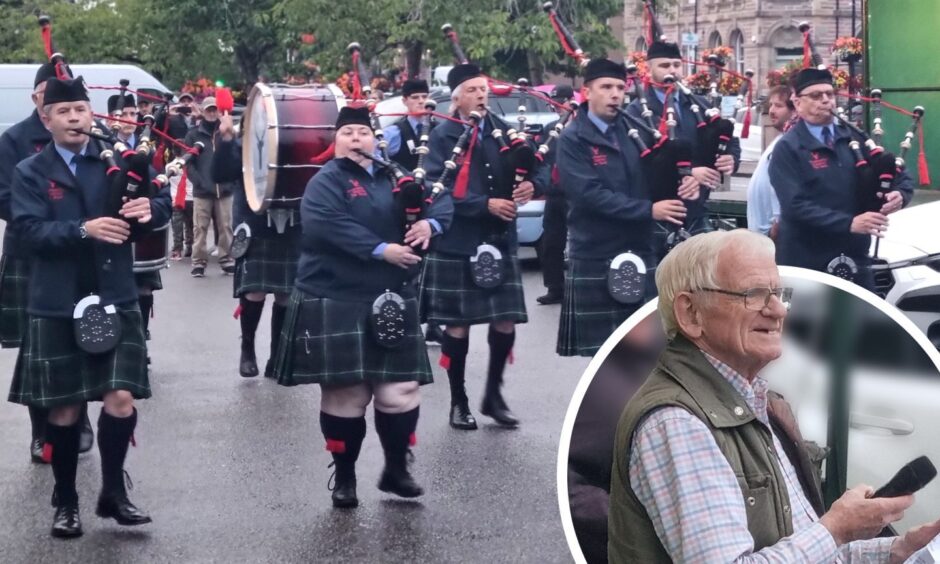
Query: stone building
[(762, 33)]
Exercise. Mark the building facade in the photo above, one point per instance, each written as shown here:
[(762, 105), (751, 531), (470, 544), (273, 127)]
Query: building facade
[(762, 33)]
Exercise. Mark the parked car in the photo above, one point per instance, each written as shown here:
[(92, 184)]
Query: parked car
[(907, 267), (538, 115), (16, 86), (894, 389)]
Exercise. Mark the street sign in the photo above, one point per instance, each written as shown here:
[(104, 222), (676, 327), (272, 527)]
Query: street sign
[(690, 39)]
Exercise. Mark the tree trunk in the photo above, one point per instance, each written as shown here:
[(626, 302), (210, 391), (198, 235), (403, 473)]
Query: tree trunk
[(536, 68)]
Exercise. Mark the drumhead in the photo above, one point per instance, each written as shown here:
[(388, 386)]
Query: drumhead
[(264, 134)]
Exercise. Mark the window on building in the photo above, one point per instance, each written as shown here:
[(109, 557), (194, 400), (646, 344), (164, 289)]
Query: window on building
[(786, 54), (714, 40), (737, 47)]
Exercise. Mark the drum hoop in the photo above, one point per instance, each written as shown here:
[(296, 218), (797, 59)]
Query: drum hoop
[(267, 96)]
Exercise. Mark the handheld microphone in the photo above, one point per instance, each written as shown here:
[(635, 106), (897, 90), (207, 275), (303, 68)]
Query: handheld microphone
[(909, 479)]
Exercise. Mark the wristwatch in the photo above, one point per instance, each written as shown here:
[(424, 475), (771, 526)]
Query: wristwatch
[(82, 232)]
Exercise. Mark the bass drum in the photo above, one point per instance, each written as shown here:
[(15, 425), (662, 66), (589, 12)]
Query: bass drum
[(283, 128), (152, 250)]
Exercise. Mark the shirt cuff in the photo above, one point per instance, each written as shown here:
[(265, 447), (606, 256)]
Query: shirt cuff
[(436, 228), (378, 250)]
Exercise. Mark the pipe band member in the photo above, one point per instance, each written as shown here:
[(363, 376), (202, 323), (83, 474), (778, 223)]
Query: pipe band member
[(79, 251), (354, 257), (485, 204)]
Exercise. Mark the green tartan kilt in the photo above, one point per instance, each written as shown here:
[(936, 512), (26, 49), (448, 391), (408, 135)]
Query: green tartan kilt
[(270, 266), (52, 371), (152, 280), (326, 341), (588, 314), (14, 293), (449, 296)]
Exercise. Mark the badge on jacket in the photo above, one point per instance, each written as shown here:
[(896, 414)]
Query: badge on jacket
[(597, 157), (818, 161)]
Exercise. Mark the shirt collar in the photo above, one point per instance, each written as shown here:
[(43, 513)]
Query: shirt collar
[(67, 155), (817, 130), (600, 123), (754, 392), (414, 122)]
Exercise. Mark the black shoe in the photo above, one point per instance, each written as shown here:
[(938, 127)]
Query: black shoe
[(434, 334), (119, 508), (87, 438), (66, 524), (248, 365), (187, 252), (147, 334), (36, 447), (552, 297), (398, 480), (228, 269), (343, 488), (494, 406), (461, 418), (198, 272), (269, 368)]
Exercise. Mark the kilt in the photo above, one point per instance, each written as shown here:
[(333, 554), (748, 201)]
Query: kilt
[(449, 297), (269, 266), (151, 280), (326, 341), (14, 293), (588, 314), (52, 371)]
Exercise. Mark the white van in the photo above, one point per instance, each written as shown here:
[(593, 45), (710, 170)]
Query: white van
[(16, 85)]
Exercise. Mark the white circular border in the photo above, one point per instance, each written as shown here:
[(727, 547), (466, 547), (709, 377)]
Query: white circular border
[(785, 271)]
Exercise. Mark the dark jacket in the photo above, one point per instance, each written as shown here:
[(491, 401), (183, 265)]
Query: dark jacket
[(404, 156), (553, 188), (686, 129), (609, 207), (346, 213), (473, 223), (816, 186), (49, 204), (227, 169), (199, 169), (26, 138)]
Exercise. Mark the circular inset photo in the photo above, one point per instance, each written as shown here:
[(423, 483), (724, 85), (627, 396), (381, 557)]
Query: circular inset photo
[(754, 413)]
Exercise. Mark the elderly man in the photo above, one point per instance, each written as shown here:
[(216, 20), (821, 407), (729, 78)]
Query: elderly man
[(813, 172), (763, 207), (708, 465)]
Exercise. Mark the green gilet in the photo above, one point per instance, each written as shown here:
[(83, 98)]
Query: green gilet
[(684, 378)]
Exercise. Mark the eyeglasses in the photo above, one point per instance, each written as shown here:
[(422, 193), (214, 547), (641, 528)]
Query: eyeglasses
[(756, 299), (817, 96)]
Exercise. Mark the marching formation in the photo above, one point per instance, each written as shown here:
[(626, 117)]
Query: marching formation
[(363, 234)]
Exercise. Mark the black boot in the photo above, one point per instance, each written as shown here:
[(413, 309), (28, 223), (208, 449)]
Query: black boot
[(250, 317), (493, 404), (277, 322), (433, 334), (64, 444), (454, 360), (553, 296), (37, 420), (146, 307), (114, 437), (397, 433), (87, 439), (344, 437)]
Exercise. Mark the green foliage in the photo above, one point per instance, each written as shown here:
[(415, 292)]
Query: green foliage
[(239, 40)]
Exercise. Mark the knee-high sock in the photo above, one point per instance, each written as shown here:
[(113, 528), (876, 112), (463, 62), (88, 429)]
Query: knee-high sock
[(250, 317), (277, 322), (146, 306), (64, 442), (500, 346), (454, 360), (344, 437), (396, 432), (114, 437), (37, 419)]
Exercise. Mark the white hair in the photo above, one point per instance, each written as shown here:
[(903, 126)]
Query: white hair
[(456, 92), (693, 266)]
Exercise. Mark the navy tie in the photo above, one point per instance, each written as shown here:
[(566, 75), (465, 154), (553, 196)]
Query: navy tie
[(827, 137)]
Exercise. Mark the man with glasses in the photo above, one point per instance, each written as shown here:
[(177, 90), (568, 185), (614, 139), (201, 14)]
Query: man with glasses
[(710, 466), (814, 174)]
